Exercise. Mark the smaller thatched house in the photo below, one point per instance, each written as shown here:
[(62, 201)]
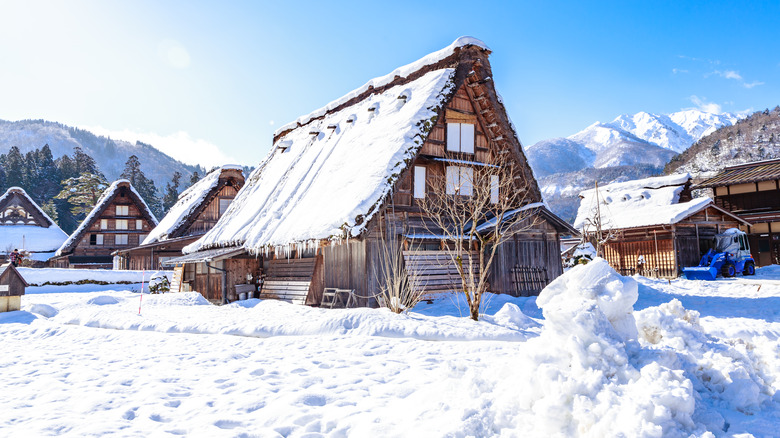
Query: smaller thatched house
[(25, 226), (652, 226), (11, 288), (197, 210), (120, 219)]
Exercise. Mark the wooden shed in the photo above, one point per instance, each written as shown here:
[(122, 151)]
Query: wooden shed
[(11, 288), (313, 214), (197, 210), (752, 192), (656, 228), (120, 219)]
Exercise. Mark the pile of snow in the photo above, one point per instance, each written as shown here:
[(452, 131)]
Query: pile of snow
[(189, 312), (638, 203), (57, 276)]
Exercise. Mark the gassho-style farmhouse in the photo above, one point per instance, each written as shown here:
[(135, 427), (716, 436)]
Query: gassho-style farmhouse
[(313, 214)]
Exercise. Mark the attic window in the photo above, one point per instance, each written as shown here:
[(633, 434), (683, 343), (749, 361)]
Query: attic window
[(403, 97), (371, 109), (333, 127), (351, 119), (314, 132)]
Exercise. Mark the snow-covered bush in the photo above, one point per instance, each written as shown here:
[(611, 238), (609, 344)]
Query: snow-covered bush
[(159, 283), (581, 255)]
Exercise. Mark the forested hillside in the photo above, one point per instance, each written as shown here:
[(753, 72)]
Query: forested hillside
[(754, 138)]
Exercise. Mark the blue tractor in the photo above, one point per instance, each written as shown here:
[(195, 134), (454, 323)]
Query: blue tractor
[(729, 255)]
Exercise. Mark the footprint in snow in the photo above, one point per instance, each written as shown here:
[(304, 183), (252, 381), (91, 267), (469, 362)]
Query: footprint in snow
[(228, 424)]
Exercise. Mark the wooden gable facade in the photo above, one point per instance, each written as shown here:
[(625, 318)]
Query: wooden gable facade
[(16, 208), (752, 192), (470, 127), (200, 218), (120, 219)]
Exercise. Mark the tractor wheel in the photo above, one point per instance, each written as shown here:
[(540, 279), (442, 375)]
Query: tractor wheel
[(750, 269), (728, 270)]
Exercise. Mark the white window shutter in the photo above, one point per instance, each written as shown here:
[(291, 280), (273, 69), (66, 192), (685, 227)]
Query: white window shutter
[(467, 138), (453, 137), (453, 180), (419, 182), (494, 189), (466, 181), (99, 239), (103, 224)]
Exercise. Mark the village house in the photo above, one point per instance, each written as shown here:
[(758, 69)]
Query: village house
[(752, 192), (652, 227), (314, 213), (11, 288), (120, 219), (196, 211), (26, 227)]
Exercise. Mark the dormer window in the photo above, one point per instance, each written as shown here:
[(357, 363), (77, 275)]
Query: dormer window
[(460, 138)]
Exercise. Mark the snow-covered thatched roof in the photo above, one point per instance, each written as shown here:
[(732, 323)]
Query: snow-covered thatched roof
[(189, 203), (42, 236), (330, 170), (639, 203), (102, 203)]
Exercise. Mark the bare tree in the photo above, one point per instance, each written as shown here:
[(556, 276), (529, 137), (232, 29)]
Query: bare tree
[(475, 208), (595, 228), (396, 284)]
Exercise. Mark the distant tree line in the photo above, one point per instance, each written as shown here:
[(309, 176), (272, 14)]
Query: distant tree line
[(68, 187)]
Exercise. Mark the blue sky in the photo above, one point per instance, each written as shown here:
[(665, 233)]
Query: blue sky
[(209, 82)]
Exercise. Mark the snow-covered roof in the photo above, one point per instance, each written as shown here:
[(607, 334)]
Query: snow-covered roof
[(326, 179), (404, 71), (31, 238), (189, 201), (639, 203), (100, 206)]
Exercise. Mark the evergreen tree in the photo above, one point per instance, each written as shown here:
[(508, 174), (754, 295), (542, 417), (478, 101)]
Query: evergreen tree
[(50, 208), (14, 168), (66, 167), (194, 178), (82, 193), (171, 192), (46, 180), (84, 163), (143, 185)]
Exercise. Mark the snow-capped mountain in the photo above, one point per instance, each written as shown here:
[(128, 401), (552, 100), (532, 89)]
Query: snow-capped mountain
[(629, 147), (675, 131)]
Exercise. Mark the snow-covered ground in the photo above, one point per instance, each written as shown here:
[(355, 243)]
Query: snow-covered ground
[(595, 355)]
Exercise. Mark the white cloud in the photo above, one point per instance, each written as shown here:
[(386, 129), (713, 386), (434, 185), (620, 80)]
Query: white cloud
[(173, 54), (752, 84), (730, 74), (678, 70), (707, 107), (179, 145)]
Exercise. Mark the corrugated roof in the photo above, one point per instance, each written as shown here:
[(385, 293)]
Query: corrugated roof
[(744, 173)]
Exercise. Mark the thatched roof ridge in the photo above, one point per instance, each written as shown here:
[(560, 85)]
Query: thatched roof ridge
[(446, 57)]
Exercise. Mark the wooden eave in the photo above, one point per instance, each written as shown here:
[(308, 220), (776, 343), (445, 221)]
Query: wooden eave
[(745, 173)]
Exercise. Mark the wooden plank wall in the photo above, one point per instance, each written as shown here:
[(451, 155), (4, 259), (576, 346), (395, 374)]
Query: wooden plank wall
[(345, 266), (524, 251), (623, 256)]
